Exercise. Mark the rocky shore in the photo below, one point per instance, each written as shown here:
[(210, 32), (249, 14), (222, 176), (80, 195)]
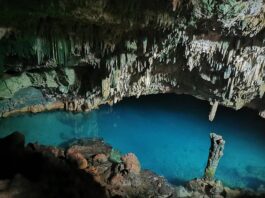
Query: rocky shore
[(90, 168)]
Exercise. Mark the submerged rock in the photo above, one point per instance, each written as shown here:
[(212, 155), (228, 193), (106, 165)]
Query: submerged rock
[(182, 192), (205, 187)]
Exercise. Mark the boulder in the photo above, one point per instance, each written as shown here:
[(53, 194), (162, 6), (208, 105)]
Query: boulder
[(77, 159), (131, 163)]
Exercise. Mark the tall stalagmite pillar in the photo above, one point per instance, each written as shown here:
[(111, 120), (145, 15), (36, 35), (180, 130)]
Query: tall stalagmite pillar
[(215, 154)]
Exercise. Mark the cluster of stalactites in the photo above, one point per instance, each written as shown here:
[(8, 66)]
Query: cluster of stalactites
[(240, 65)]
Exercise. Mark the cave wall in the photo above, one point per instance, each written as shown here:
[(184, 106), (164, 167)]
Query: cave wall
[(78, 54)]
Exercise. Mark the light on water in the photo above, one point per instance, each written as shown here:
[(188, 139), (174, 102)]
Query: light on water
[(168, 133)]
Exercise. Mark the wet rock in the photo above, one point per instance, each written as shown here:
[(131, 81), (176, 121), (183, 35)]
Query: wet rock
[(205, 187), (164, 190), (47, 150), (77, 158), (92, 170), (131, 163), (100, 158), (120, 168), (13, 141), (99, 176), (39, 171), (261, 189), (89, 148), (232, 192), (117, 180), (182, 192), (4, 184), (215, 154), (115, 156)]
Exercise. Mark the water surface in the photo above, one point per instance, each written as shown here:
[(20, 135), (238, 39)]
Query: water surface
[(168, 133)]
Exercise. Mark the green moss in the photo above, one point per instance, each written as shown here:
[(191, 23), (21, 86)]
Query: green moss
[(115, 156), (209, 173)]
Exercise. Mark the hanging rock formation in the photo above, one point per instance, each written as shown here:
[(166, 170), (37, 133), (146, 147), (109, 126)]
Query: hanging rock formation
[(76, 55), (213, 111)]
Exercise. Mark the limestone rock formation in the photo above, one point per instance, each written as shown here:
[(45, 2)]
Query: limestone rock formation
[(215, 154), (81, 54)]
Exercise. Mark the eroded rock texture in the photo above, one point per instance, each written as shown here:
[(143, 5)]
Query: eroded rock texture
[(84, 168), (76, 55), (216, 152)]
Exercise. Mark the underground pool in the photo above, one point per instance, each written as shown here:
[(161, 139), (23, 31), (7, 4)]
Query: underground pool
[(168, 133)]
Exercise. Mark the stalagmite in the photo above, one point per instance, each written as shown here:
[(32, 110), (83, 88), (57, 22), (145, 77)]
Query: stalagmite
[(215, 154), (213, 111)]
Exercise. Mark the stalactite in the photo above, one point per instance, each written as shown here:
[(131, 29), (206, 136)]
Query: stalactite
[(231, 89), (213, 111), (144, 45)]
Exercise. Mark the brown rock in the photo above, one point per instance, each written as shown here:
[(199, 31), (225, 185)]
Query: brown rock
[(77, 158), (131, 163), (4, 184), (92, 170), (90, 148), (48, 150), (100, 158), (117, 180)]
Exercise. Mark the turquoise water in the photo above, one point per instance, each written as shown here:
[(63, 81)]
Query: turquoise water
[(168, 133)]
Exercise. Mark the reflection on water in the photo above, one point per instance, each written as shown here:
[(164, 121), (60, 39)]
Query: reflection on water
[(82, 126), (169, 134)]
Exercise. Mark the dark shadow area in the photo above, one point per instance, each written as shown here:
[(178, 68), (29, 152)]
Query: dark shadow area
[(198, 109), (42, 176), (253, 182), (90, 77), (177, 182)]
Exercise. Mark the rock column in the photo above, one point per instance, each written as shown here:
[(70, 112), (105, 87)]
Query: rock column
[(215, 154)]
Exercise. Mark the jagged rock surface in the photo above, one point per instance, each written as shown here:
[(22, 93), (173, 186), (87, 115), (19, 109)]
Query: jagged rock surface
[(80, 54), (84, 169)]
